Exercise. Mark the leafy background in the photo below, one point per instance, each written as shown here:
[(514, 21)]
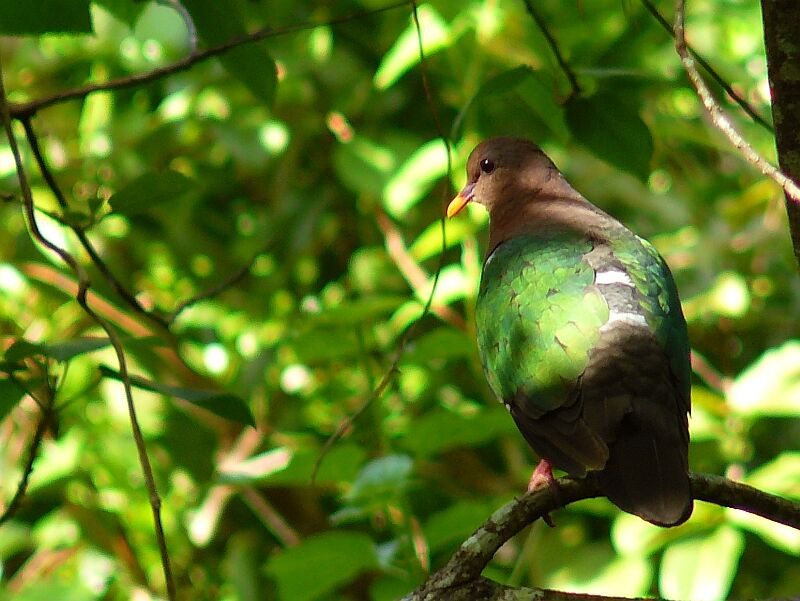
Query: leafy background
[(312, 160)]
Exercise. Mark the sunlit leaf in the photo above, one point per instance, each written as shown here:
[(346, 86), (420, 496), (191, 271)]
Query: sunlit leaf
[(404, 54), (283, 466), (223, 404), (781, 537), (701, 567), (151, 190), (321, 564), (415, 178), (595, 569), (771, 385), (429, 242), (613, 130), (45, 16)]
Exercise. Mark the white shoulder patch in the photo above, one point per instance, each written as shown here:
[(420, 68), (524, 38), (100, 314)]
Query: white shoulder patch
[(603, 278), (633, 319)]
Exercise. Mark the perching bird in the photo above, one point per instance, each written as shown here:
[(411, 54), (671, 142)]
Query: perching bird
[(581, 334)]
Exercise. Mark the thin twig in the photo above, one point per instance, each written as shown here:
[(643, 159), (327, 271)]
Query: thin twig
[(27, 109), (83, 287), (718, 117), (575, 89), (215, 289), (33, 452), (393, 370), (745, 106), (412, 272), (80, 233), (270, 517)]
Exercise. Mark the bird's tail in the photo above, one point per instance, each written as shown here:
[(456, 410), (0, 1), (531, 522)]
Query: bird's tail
[(646, 473)]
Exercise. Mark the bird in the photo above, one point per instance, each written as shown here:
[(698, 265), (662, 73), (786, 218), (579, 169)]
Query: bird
[(581, 334)]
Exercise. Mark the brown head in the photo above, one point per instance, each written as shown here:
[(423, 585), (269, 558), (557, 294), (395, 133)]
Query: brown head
[(505, 168), (522, 190)]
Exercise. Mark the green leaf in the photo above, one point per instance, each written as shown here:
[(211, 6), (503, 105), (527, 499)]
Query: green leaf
[(455, 523), (781, 476), (429, 242), (404, 54), (251, 64), (321, 564), (595, 569), (22, 349), (359, 311), (613, 130), (126, 11), (64, 351), (10, 394), (771, 385), (224, 404), (363, 165), (439, 345), (381, 480), (415, 178), (151, 190), (284, 466), (441, 430), (702, 567), (34, 17)]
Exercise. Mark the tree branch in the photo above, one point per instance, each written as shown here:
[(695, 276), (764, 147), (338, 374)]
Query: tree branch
[(460, 577), (783, 60), (745, 106), (80, 233), (28, 109), (46, 408), (721, 121)]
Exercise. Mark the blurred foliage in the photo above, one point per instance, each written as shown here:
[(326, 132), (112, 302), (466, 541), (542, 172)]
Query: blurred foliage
[(313, 157)]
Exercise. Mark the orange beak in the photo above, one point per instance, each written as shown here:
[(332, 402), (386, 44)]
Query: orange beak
[(461, 199)]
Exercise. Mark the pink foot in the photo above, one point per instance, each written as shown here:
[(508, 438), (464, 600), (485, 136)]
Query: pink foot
[(542, 476)]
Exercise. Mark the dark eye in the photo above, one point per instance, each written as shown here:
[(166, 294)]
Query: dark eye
[(487, 165)]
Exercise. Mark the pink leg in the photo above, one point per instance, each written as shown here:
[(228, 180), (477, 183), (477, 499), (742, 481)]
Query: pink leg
[(542, 476)]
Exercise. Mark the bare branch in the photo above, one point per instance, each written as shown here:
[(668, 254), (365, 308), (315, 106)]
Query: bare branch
[(216, 289), (745, 106), (460, 577), (412, 272), (13, 506), (50, 180), (28, 109), (83, 287), (575, 89), (719, 119)]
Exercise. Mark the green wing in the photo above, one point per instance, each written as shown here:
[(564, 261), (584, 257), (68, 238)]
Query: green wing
[(538, 316)]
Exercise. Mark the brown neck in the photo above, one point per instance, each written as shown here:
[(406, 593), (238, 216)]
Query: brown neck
[(557, 206)]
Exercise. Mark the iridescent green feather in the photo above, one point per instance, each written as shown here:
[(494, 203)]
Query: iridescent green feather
[(538, 317)]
